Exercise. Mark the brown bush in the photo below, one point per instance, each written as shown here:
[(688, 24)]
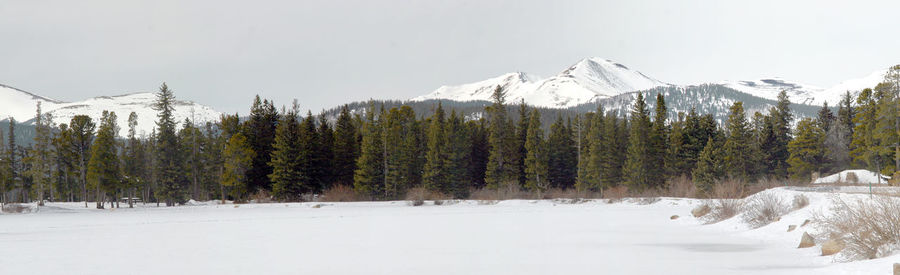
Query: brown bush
[(506, 191), (418, 195), (15, 208), (869, 228), (763, 209), (681, 187), (723, 209), (851, 178), (800, 201), (339, 193), (729, 189), (616, 193)]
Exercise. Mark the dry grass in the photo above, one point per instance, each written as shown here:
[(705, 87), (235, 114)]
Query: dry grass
[(339, 193), (723, 209), (870, 228), (681, 187), (615, 194), (418, 195), (764, 209), (15, 208)]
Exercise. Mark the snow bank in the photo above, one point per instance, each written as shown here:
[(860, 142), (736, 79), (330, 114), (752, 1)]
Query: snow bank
[(862, 176)]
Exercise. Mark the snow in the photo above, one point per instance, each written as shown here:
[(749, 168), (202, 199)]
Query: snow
[(465, 237), (21, 105), (583, 82), (769, 88), (863, 176)]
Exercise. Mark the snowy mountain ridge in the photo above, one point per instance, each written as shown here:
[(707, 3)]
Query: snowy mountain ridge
[(593, 79), (22, 106), (583, 82)]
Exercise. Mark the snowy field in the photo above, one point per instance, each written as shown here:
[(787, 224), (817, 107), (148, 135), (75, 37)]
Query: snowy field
[(510, 237)]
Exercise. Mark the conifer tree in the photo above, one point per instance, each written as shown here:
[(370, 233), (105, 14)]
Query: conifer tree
[(781, 122), (287, 179), (40, 161), (169, 160), (259, 130), (615, 144), (457, 148), (500, 167), (478, 156), (4, 170), (536, 156), (807, 150), (103, 168), (737, 152), (82, 128), (132, 171), (659, 136), (561, 155), (887, 126), (238, 159), (592, 169), (401, 151), (863, 147), (638, 160), (310, 161), (825, 118), (325, 155), (709, 168), (676, 154), (583, 144), (521, 136), (369, 176), (346, 148), (434, 175)]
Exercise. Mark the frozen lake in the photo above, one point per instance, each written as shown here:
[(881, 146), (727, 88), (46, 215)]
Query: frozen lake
[(512, 237)]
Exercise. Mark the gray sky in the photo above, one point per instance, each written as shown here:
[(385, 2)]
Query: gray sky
[(325, 53)]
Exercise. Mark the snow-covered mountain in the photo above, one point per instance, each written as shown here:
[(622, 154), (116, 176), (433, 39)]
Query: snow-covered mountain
[(595, 79), (586, 81), (21, 106), (805, 93)]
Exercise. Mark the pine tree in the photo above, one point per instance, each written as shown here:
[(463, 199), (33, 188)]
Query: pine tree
[(287, 179), (709, 168), (676, 155), (807, 150), (561, 155), (864, 152), (615, 144), (346, 148), (310, 160), (781, 122), (825, 118), (103, 168), (591, 176), (369, 176), (659, 136), (169, 161), (40, 171), (434, 174), (260, 133), (638, 156), (583, 143), (737, 152), (478, 156), (500, 167), (458, 151), (4, 170), (325, 155), (133, 167), (521, 136), (401, 151), (82, 128), (238, 159), (887, 126), (536, 156)]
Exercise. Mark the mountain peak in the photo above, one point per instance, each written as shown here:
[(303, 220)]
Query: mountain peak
[(585, 81)]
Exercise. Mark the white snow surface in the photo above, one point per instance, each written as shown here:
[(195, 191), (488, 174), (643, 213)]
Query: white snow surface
[(863, 177), (22, 106), (769, 88), (583, 82), (466, 237)]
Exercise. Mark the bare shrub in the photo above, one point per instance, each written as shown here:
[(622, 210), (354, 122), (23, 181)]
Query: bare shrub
[(647, 200), (506, 191), (261, 196), (851, 178), (438, 202), (869, 228), (416, 202), (15, 208), (800, 201), (616, 193), (681, 187), (723, 209), (339, 193), (763, 209), (729, 189)]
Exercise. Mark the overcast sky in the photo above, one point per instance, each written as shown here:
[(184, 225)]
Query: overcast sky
[(325, 53)]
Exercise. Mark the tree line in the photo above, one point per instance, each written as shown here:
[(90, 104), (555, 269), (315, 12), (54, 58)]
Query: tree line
[(382, 153)]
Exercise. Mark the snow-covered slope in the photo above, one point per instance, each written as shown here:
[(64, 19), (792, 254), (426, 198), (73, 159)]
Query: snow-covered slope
[(585, 81), (595, 78), (804, 93), (22, 105)]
